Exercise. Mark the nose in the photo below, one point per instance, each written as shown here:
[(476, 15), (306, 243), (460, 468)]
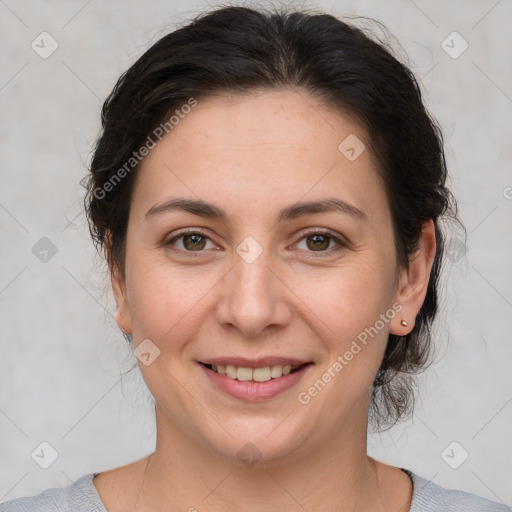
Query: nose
[(253, 297)]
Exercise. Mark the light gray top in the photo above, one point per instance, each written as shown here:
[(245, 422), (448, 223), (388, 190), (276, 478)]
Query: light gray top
[(81, 496)]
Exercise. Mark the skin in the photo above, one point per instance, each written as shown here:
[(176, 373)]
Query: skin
[(252, 156)]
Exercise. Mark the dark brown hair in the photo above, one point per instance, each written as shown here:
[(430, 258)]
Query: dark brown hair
[(239, 50)]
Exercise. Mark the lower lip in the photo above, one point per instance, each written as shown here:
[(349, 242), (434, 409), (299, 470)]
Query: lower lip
[(253, 391)]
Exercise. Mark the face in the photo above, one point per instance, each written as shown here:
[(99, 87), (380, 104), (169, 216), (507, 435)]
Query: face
[(267, 278)]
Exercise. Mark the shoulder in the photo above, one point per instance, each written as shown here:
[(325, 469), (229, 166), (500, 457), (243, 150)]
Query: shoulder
[(80, 496), (430, 497)]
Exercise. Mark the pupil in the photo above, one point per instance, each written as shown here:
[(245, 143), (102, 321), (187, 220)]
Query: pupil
[(194, 242), (319, 241)]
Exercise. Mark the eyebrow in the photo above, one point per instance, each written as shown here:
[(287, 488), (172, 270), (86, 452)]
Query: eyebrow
[(203, 209)]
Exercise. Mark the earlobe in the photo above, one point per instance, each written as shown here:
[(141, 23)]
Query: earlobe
[(122, 315), (117, 281), (413, 282)]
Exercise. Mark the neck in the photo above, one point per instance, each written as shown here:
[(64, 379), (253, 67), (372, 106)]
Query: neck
[(185, 474)]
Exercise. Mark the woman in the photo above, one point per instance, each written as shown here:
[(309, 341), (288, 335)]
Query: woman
[(268, 190)]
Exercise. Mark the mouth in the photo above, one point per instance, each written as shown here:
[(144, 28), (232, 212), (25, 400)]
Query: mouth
[(258, 374), (254, 383)]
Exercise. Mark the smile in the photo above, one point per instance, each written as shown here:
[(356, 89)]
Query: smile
[(262, 374), (254, 384)]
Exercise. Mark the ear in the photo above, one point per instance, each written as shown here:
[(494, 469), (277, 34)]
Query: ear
[(413, 282), (117, 280)]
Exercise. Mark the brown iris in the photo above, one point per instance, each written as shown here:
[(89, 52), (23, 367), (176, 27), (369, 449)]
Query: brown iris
[(197, 242), (320, 242)]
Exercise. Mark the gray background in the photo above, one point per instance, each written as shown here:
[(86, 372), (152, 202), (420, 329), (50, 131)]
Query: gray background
[(62, 356)]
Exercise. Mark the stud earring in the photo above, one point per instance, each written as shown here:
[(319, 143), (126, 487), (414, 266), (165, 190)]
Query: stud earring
[(404, 323)]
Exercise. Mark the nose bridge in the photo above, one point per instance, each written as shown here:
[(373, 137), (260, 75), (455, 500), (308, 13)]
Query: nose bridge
[(251, 296)]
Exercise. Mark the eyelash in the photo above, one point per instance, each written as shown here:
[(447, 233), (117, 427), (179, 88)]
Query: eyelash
[(323, 232)]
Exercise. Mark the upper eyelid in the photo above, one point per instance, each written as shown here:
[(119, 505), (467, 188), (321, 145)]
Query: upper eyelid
[(339, 239), (189, 231)]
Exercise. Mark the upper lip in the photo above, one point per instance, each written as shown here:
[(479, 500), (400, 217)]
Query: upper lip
[(254, 363)]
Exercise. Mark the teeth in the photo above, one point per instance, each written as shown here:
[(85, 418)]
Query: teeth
[(231, 371), (261, 374), (257, 374), (244, 374), (276, 371)]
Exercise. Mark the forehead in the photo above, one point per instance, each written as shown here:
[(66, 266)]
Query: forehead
[(269, 147)]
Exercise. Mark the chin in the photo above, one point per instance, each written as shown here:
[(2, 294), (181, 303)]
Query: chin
[(259, 442)]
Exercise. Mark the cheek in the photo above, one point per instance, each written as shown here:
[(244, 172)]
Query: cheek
[(345, 308), (166, 303), (348, 298)]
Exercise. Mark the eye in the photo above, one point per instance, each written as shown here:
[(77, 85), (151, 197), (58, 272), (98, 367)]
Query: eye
[(320, 241), (196, 240), (191, 240)]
